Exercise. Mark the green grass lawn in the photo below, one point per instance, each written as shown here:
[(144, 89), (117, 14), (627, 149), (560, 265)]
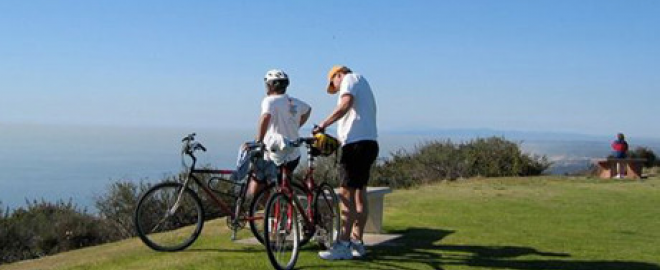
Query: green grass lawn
[(496, 223)]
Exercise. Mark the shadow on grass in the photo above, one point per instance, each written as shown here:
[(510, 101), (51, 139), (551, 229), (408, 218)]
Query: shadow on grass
[(421, 246), (220, 250)]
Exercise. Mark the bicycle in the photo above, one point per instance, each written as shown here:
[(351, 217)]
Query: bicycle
[(170, 215), (288, 222)]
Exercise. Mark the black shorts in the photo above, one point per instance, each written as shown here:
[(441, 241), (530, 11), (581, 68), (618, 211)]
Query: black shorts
[(355, 164)]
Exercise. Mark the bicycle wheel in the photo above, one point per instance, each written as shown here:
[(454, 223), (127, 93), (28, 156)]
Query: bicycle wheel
[(282, 236), (326, 211), (164, 227), (257, 210)]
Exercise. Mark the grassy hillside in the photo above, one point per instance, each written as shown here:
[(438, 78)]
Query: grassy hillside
[(499, 223)]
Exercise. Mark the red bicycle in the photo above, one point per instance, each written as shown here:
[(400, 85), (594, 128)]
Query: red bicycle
[(290, 223)]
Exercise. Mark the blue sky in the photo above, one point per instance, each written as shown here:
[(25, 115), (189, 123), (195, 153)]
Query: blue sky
[(587, 67)]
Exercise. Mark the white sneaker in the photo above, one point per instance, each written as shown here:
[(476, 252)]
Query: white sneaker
[(357, 249), (340, 250)]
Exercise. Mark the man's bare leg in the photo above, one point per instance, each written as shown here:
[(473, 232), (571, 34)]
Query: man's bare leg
[(362, 213), (347, 200)]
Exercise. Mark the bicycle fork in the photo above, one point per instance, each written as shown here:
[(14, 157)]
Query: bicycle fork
[(282, 214), (236, 217), (235, 220), (179, 197)]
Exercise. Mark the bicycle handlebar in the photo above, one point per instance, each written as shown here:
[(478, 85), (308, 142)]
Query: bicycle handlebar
[(189, 138), (190, 146), (253, 145), (302, 140)]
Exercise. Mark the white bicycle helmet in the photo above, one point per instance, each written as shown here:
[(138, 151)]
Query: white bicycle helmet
[(276, 75)]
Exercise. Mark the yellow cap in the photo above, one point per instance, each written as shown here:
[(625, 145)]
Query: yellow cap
[(333, 71)]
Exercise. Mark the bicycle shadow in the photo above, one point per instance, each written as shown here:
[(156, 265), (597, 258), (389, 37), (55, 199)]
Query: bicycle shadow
[(242, 250), (420, 246)]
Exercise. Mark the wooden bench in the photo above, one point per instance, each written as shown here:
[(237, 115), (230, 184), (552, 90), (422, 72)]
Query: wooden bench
[(633, 167), (375, 198)]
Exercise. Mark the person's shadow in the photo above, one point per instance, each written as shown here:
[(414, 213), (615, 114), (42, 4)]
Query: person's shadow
[(422, 246)]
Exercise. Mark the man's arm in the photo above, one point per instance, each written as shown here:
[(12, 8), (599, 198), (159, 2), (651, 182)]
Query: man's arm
[(305, 116), (263, 125), (345, 104)]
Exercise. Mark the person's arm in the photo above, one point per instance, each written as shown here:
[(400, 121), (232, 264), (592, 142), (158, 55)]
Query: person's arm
[(345, 104), (263, 126), (305, 116)]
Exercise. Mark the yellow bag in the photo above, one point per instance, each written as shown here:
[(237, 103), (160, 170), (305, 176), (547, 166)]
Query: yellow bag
[(324, 145)]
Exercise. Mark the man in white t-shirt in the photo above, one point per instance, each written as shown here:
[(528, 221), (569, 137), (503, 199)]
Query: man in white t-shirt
[(281, 118), (356, 117)]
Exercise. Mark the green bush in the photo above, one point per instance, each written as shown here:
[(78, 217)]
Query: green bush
[(325, 170), (44, 228), (117, 205), (443, 160), (645, 153), (446, 160)]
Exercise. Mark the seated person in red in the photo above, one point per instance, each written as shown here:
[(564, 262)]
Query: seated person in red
[(620, 147)]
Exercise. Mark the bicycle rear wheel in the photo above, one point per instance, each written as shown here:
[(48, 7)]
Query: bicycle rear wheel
[(326, 211), (282, 235), (163, 226), (258, 206)]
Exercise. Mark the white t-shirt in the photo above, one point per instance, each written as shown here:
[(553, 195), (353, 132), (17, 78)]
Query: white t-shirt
[(359, 123), (285, 113)]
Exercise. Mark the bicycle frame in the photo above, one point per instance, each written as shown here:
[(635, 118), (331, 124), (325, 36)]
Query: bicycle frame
[(226, 209), (309, 187)]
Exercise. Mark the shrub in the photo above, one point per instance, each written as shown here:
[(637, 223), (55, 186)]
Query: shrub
[(645, 153), (438, 160), (325, 170), (116, 207), (44, 228)]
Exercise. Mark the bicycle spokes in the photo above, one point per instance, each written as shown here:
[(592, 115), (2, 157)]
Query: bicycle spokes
[(282, 235), (164, 216), (327, 215)]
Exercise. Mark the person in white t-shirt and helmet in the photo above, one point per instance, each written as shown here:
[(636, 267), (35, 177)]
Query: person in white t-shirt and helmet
[(355, 115), (280, 120)]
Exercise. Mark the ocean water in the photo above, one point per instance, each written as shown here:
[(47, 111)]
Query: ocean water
[(77, 163)]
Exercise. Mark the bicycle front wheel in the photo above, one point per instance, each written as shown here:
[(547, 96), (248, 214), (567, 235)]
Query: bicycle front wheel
[(258, 205), (281, 232), (169, 217), (326, 210)]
